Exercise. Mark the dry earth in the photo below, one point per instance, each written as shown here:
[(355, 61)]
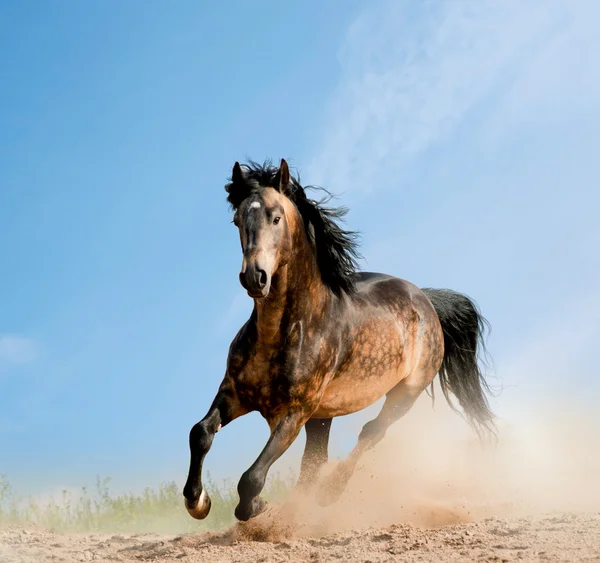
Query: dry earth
[(564, 537)]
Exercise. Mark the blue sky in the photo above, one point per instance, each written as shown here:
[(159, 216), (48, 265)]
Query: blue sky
[(464, 137)]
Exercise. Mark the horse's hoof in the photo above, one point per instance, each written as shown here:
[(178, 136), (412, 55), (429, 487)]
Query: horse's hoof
[(260, 506), (244, 512), (199, 509)]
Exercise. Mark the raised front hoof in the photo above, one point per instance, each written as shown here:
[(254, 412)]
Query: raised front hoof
[(243, 512), (200, 508)]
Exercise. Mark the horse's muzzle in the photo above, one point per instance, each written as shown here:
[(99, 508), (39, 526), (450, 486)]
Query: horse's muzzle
[(255, 281)]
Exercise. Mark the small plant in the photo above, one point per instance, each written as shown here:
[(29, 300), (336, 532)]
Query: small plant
[(159, 510)]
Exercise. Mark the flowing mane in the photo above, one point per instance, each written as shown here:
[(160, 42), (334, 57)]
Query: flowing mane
[(336, 249)]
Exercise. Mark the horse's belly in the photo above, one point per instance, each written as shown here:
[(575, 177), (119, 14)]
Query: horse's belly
[(353, 391)]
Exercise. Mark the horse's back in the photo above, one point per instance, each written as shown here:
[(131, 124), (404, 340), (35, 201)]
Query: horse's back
[(383, 290)]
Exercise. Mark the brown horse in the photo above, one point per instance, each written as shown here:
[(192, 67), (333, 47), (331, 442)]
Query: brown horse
[(324, 340)]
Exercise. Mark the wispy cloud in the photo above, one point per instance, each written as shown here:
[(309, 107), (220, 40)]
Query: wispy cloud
[(413, 72), (505, 97), (16, 349)]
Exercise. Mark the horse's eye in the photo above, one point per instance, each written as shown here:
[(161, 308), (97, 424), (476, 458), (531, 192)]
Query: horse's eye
[(276, 220)]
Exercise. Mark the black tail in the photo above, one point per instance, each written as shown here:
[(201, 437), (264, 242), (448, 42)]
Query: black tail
[(464, 328)]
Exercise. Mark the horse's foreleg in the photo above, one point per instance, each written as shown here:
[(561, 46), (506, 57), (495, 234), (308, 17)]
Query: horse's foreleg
[(315, 451), (223, 410), (252, 482)]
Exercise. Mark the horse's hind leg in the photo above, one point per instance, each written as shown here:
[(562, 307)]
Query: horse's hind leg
[(315, 451), (283, 432), (398, 402), (223, 410)]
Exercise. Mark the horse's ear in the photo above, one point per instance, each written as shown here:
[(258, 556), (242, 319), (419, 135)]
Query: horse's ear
[(282, 180), (237, 176), (237, 187)]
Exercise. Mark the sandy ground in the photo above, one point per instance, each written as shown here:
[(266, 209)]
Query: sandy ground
[(429, 493), (559, 537)]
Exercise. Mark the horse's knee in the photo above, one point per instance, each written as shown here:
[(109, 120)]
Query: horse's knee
[(200, 437), (251, 484), (374, 429)]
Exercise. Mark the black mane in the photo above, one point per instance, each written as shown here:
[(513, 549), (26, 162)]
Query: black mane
[(337, 249)]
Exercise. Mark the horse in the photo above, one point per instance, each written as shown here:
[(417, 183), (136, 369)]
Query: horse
[(325, 340)]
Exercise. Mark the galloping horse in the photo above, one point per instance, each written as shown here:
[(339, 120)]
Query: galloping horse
[(325, 340)]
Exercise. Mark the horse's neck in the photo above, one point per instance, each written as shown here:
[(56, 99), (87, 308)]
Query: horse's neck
[(297, 293)]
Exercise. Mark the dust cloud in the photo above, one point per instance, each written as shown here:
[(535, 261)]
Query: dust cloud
[(431, 470)]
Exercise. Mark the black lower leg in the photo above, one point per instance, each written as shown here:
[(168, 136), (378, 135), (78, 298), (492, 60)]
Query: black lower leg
[(252, 481), (202, 434), (315, 451)]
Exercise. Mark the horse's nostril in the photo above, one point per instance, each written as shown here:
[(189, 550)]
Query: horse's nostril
[(262, 278)]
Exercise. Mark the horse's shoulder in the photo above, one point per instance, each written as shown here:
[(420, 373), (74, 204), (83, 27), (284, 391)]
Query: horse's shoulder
[(242, 347)]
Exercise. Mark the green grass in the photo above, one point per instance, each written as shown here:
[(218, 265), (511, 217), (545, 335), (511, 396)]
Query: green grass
[(159, 510)]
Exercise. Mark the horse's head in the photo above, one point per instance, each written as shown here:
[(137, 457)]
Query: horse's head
[(265, 218), (277, 222)]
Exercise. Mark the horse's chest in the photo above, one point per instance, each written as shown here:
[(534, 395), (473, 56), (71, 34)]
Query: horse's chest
[(265, 383), (258, 384)]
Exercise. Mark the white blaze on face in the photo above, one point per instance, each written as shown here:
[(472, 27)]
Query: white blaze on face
[(254, 205)]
